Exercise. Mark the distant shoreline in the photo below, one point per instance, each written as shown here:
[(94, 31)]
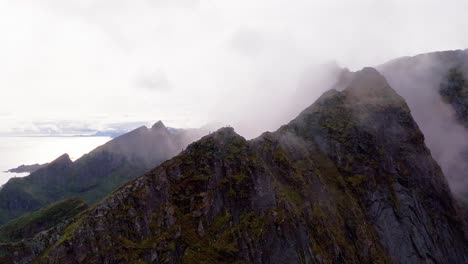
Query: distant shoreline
[(40, 148)]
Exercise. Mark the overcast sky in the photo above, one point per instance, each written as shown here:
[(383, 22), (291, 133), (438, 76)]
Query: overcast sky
[(91, 63)]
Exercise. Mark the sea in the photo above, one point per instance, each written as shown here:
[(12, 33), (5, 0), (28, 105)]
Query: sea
[(15, 151)]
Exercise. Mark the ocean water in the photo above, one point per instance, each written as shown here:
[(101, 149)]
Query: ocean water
[(15, 151)]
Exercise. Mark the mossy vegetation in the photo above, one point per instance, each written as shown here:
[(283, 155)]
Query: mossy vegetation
[(356, 182), (30, 224)]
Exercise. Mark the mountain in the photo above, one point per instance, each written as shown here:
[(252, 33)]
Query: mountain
[(435, 87), (27, 168), (30, 224), (350, 180), (97, 173)]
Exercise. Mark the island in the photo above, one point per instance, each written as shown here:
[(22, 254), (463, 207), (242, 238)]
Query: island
[(27, 168)]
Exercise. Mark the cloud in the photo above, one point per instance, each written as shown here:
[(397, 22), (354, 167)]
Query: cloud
[(53, 128), (248, 42), (157, 81), (238, 62), (418, 80), (72, 128)]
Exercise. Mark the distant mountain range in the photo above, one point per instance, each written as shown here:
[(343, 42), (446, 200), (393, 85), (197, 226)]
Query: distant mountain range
[(97, 173), (64, 128)]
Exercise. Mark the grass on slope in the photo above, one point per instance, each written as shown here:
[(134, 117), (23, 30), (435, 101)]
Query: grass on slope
[(30, 224)]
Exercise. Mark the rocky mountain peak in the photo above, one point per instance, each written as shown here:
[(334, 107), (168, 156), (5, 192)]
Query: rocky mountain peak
[(364, 87), (223, 134), (370, 87), (158, 126), (63, 159), (225, 140)]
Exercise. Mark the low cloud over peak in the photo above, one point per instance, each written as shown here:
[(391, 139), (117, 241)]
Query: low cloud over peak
[(207, 60)]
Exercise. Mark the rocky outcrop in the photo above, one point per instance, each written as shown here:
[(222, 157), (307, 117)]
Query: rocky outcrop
[(350, 180), (96, 174)]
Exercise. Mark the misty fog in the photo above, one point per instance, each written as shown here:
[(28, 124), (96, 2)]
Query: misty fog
[(191, 62), (83, 66), (418, 79)]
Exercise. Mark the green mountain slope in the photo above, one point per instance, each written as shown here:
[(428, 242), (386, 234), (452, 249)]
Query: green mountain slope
[(96, 174), (30, 224)]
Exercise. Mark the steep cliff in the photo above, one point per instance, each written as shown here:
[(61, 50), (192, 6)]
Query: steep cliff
[(350, 180)]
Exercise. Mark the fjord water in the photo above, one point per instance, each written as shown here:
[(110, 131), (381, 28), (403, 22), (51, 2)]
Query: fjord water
[(15, 151)]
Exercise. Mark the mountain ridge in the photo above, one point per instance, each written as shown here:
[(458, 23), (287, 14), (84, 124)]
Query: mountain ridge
[(95, 174), (349, 180)]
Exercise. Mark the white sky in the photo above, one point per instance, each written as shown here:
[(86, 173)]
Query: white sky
[(90, 63)]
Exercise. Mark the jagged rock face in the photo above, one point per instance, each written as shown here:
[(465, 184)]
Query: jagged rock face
[(348, 181), (96, 174), (218, 202), (377, 148)]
